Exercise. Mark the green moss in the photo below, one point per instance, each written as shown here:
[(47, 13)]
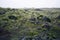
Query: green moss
[(23, 26)]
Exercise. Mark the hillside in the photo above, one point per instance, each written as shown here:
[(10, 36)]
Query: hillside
[(30, 24)]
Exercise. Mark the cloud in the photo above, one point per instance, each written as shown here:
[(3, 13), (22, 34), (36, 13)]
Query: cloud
[(29, 3)]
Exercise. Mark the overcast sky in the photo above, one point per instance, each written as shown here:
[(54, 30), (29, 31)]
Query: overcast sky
[(30, 3)]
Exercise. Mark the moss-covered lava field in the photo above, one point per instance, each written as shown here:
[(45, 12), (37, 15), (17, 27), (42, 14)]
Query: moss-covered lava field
[(30, 24)]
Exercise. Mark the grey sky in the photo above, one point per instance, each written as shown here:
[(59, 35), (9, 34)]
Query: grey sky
[(30, 3)]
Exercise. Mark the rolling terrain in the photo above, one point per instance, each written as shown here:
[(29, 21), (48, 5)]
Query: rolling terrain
[(30, 24)]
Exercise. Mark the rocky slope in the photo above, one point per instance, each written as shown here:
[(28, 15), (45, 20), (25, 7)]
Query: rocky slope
[(29, 24)]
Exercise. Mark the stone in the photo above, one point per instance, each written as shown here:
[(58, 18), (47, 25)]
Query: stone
[(4, 34), (37, 38), (2, 12), (58, 17), (46, 19), (46, 26), (12, 17)]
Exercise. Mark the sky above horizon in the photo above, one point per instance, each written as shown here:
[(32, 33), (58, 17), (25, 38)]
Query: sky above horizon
[(30, 3)]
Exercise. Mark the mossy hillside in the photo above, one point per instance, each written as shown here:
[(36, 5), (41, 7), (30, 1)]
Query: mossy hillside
[(20, 22)]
